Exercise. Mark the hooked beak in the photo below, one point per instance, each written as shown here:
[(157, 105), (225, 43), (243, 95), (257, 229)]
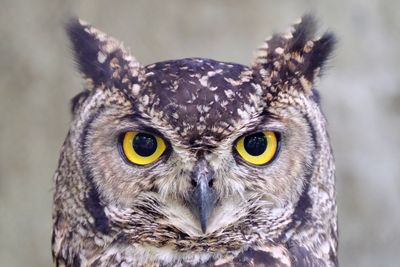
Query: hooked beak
[(202, 199)]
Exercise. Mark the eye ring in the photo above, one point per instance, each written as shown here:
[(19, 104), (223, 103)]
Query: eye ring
[(258, 148), (141, 148)]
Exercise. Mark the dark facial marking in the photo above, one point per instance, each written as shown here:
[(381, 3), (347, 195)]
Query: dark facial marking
[(252, 257), (92, 204), (92, 200), (316, 96), (77, 100), (301, 257), (301, 213)]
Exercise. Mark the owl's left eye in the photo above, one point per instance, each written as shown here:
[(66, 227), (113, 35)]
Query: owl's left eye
[(142, 148), (258, 148)]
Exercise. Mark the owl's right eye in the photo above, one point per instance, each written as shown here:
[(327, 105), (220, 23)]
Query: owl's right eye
[(142, 148)]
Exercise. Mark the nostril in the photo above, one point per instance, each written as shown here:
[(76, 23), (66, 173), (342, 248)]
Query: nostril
[(193, 182), (211, 183)]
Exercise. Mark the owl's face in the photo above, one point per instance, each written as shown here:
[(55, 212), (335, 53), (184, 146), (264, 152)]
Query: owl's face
[(187, 122), (191, 154)]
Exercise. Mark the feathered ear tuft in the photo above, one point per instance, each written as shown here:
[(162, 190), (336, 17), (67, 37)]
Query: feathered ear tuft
[(296, 56), (102, 59)]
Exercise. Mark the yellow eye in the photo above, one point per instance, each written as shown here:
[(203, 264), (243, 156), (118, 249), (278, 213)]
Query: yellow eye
[(142, 148), (258, 148)]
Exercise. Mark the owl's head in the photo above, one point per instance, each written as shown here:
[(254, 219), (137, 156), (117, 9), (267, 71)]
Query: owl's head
[(194, 154)]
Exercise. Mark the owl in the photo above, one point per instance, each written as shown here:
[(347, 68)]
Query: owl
[(197, 162)]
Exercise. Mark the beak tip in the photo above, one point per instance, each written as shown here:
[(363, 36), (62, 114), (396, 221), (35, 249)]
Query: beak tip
[(203, 227), (203, 216)]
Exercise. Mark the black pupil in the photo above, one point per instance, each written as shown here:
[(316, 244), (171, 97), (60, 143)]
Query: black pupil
[(145, 144), (255, 144)]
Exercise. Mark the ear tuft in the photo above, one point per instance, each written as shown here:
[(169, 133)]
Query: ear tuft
[(303, 31), (297, 55), (102, 59), (316, 59)]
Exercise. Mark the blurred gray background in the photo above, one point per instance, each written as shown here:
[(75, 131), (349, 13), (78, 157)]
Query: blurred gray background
[(361, 98)]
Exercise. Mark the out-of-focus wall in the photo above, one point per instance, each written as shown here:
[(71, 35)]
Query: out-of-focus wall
[(361, 98)]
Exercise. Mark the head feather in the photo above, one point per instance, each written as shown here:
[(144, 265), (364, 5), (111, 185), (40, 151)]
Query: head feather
[(102, 59), (297, 55)]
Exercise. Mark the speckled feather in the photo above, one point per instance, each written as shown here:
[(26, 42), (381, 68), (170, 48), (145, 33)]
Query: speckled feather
[(108, 212)]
